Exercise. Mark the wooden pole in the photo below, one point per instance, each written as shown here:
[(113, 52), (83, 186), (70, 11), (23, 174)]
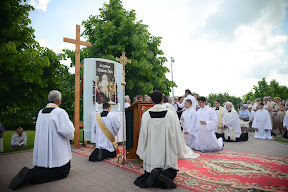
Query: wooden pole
[(77, 82), (77, 88)]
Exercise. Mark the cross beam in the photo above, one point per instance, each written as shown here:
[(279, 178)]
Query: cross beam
[(77, 81)]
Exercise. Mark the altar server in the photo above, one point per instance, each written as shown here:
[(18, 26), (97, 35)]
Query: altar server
[(262, 123), (206, 123), (231, 122), (219, 110), (52, 152), (188, 122), (189, 96), (106, 127), (285, 125), (188, 153), (159, 146)]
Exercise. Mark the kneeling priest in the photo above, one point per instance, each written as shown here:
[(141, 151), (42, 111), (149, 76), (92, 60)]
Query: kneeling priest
[(159, 146), (231, 122), (106, 127)]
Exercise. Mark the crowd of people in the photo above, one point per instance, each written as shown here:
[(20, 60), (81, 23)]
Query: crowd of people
[(170, 130)]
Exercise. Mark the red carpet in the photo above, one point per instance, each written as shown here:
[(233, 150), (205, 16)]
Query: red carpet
[(224, 170)]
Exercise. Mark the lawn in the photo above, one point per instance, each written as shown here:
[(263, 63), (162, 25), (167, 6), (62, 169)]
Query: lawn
[(281, 139), (7, 139), (30, 140)]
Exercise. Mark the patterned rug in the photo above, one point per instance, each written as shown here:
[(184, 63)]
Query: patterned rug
[(224, 170)]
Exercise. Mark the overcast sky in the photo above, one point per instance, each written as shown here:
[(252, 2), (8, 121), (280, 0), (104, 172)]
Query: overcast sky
[(218, 45)]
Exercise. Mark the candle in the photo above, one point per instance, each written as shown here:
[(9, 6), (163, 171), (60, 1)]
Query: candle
[(96, 106), (118, 107)]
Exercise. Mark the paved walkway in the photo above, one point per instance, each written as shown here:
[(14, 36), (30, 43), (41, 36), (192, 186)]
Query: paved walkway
[(100, 176)]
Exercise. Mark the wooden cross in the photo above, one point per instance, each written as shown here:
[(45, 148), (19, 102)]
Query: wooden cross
[(123, 60), (77, 81)]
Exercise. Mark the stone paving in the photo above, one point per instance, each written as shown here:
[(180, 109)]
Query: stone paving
[(100, 176)]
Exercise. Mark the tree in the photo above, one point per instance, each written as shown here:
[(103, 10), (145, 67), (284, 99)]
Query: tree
[(28, 71), (115, 31), (264, 89), (222, 97)]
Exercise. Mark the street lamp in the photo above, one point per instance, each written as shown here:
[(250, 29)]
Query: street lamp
[(172, 61)]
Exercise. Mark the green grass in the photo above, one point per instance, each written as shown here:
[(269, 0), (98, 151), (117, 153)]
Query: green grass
[(7, 139), (281, 139), (30, 140), (80, 136)]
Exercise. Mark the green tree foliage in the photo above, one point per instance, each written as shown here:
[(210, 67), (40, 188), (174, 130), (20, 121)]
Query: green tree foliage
[(264, 89), (223, 97), (115, 31), (28, 71)]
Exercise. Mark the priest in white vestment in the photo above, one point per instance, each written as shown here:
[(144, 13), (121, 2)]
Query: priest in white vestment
[(285, 124), (206, 123), (188, 122), (52, 152), (188, 153), (159, 146), (106, 145), (219, 110), (262, 123), (231, 123), (188, 96)]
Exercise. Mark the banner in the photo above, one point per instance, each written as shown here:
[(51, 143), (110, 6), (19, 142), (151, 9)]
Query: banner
[(105, 86)]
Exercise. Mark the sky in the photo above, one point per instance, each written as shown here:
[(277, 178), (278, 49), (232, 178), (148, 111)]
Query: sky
[(218, 45)]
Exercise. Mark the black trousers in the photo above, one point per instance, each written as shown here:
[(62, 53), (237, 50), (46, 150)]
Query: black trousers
[(42, 175), (105, 154), (219, 135), (285, 134), (243, 137), (141, 181)]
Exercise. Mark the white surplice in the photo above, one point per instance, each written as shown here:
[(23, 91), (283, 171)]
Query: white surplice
[(231, 119), (261, 122), (285, 121), (189, 125), (205, 138), (192, 98), (159, 144), (252, 114), (113, 125), (53, 132), (188, 153), (126, 105)]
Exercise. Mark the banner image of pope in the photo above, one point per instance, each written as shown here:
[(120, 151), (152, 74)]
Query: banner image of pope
[(106, 86)]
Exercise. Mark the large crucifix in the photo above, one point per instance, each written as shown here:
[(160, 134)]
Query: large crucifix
[(124, 61), (77, 81)]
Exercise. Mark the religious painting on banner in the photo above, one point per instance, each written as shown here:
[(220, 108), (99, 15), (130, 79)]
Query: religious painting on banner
[(105, 87)]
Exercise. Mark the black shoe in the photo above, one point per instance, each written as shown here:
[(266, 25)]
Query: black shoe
[(19, 179), (100, 155), (168, 182), (152, 178)]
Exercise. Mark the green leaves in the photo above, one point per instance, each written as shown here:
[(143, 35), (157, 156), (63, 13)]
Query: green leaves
[(28, 71), (264, 89), (115, 31)]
